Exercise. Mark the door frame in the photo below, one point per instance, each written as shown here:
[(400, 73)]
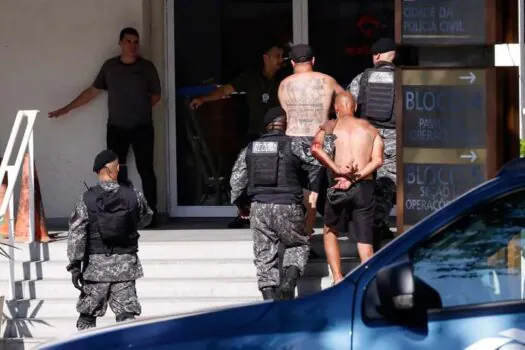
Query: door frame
[(300, 35)]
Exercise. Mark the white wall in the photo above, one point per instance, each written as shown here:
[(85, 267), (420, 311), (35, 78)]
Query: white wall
[(50, 50)]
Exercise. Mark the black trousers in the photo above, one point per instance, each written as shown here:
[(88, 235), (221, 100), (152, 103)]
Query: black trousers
[(142, 140)]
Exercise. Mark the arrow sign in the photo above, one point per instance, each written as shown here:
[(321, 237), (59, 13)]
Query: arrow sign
[(471, 76), (472, 156)]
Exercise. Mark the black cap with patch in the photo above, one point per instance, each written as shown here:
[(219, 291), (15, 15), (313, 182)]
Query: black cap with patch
[(272, 114), (383, 45), (301, 53), (103, 158)]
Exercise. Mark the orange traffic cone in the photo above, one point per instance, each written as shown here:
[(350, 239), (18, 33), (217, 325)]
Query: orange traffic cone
[(4, 222), (22, 216)]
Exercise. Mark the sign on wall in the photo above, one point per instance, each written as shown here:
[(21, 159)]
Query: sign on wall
[(442, 136), (446, 22)]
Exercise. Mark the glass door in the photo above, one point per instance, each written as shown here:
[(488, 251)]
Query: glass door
[(210, 42), (214, 41)]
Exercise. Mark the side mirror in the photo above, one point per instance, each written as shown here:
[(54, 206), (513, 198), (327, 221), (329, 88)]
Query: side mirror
[(396, 288), (401, 297)]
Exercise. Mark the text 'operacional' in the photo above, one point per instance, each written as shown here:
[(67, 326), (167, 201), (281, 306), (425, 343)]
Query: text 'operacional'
[(430, 187)]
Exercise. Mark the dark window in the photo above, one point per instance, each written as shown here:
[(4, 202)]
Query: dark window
[(478, 259), (215, 41), (343, 31)]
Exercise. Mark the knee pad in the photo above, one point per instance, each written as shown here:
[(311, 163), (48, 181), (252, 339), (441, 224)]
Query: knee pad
[(125, 316)]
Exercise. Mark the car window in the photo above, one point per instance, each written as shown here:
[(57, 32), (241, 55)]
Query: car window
[(478, 259)]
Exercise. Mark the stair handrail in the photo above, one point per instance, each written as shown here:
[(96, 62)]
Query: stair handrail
[(13, 171)]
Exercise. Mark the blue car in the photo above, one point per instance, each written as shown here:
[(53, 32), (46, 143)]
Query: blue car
[(456, 280)]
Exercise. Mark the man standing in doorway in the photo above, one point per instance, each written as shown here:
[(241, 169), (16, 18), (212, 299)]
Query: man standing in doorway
[(261, 90), (374, 89), (306, 97), (133, 87)]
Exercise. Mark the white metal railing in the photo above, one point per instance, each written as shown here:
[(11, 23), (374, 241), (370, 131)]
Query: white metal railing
[(13, 171)]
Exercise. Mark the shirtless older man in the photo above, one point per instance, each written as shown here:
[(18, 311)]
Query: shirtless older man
[(350, 199), (306, 97)]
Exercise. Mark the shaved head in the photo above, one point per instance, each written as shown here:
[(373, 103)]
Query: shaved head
[(345, 103)]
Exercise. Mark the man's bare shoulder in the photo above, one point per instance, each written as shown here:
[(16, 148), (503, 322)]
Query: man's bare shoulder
[(367, 125), (284, 82), (323, 76), (328, 126), (287, 79), (331, 83)]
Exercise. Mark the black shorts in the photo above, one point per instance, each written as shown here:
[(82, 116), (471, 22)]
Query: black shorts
[(301, 148), (356, 216)]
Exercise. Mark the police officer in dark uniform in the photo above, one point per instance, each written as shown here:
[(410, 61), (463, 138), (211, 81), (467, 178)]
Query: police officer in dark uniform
[(103, 243), (269, 176), (374, 90)]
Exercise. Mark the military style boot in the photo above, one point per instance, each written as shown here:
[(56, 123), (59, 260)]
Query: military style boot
[(289, 282), (268, 293), (125, 316), (85, 322)]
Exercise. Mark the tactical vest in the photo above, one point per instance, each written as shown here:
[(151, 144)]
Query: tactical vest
[(377, 95), (272, 172), (113, 219)]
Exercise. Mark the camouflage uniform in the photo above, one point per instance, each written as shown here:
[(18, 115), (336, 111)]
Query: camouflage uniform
[(107, 278), (271, 224), (274, 223), (301, 149), (239, 180), (386, 181), (354, 86), (385, 192)]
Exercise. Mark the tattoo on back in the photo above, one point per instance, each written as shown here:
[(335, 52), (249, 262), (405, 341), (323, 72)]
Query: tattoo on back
[(304, 102)]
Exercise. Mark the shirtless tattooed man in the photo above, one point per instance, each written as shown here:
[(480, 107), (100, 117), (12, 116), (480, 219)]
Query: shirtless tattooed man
[(350, 199), (306, 97)]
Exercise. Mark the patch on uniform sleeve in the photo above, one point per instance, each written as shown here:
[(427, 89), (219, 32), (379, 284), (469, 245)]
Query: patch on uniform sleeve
[(381, 77), (265, 147)]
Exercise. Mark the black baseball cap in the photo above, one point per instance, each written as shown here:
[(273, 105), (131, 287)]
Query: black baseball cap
[(383, 45), (272, 114), (103, 158), (301, 53)]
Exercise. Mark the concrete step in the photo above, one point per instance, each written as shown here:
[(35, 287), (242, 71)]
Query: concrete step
[(60, 327), (162, 288), (192, 268), (170, 250), (23, 343), (147, 250), (50, 308)]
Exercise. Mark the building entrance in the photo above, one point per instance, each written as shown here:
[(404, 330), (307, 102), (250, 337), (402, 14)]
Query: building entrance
[(213, 42)]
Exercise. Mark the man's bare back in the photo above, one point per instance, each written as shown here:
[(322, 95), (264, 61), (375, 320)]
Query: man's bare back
[(306, 97), (354, 144), (358, 145), (358, 153)]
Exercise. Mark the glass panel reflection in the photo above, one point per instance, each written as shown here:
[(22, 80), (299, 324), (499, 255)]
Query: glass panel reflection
[(479, 259), (216, 41)]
